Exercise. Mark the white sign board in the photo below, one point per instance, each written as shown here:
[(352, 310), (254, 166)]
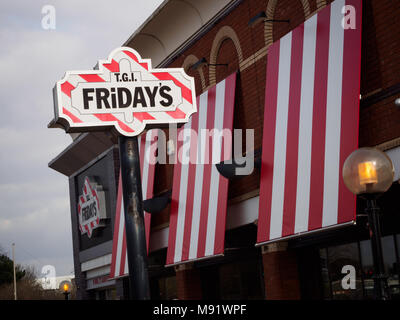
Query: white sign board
[(125, 93)]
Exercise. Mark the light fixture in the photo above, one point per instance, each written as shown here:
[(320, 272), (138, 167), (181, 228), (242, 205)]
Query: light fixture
[(65, 287), (231, 168), (369, 172), (261, 16), (157, 204), (203, 61)]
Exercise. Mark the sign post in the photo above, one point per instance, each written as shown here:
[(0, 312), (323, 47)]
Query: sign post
[(125, 94), (134, 218)]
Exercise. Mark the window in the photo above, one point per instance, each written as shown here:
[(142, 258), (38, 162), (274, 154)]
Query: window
[(391, 265), (359, 255), (338, 257), (241, 280)]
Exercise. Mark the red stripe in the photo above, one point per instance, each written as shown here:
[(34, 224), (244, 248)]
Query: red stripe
[(150, 181), (174, 201), (229, 104), (319, 120), (71, 116), (186, 92), (268, 146), (116, 226), (350, 110), (131, 55), (82, 199), (190, 185), (113, 66), (177, 114), (205, 195), (143, 116), (110, 117), (66, 87), (289, 207), (92, 78), (123, 253)]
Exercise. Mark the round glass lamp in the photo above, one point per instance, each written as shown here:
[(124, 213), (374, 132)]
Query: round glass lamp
[(368, 171)]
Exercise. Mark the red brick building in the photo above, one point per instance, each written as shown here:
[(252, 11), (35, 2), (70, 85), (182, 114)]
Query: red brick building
[(179, 34)]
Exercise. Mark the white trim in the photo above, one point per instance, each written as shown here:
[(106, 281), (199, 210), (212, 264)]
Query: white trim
[(96, 263), (94, 273)]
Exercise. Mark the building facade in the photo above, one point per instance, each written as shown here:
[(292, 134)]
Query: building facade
[(180, 34)]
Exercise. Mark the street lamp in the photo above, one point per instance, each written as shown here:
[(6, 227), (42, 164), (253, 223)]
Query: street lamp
[(65, 288), (368, 172)]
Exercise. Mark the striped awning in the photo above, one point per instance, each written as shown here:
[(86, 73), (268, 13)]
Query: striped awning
[(199, 192), (310, 124)]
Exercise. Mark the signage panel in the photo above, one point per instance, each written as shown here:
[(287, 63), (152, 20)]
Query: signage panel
[(124, 93), (91, 207)]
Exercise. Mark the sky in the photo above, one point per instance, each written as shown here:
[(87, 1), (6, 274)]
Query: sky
[(34, 199)]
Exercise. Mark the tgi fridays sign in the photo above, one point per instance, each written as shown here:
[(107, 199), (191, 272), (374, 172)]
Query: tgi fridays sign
[(125, 93), (91, 207)]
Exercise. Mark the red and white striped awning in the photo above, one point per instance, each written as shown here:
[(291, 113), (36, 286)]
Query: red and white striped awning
[(310, 124), (147, 151), (199, 192)]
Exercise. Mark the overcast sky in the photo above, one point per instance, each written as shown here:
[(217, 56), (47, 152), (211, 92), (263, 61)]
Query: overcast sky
[(34, 200)]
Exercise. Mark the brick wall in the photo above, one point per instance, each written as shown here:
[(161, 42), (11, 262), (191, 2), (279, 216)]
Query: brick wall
[(380, 70), (281, 276), (188, 284), (379, 122)]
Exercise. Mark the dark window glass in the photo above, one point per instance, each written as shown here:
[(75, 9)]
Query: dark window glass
[(398, 244), (240, 280), (390, 260), (367, 268), (338, 258), (326, 283), (167, 287)]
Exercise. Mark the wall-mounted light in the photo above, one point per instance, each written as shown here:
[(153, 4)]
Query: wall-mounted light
[(157, 204), (260, 17), (203, 61), (230, 168)]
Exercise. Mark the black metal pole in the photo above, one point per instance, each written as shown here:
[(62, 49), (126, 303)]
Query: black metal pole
[(134, 218), (380, 278)]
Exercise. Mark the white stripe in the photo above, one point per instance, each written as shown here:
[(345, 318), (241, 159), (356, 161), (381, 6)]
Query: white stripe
[(139, 140), (182, 192), (278, 188), (333, 116), (126, 268), (305, 126), (198, 184), (215, 176)]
